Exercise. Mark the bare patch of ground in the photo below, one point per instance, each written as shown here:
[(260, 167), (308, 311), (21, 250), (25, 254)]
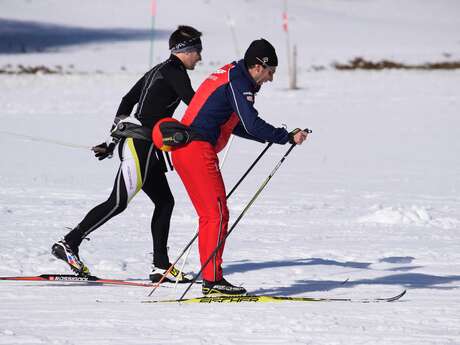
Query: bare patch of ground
[(360, 63)]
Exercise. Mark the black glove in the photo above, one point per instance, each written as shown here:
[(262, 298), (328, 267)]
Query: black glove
[(103, 150)]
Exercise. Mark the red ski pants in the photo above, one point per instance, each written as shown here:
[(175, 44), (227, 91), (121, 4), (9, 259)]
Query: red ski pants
[(198, 166)]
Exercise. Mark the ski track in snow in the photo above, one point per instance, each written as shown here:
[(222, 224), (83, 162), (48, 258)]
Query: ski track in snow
[(372, 197)]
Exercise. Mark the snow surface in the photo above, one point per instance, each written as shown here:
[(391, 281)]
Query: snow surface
[(373, 197)]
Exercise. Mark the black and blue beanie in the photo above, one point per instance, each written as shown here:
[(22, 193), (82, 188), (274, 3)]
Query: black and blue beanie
[(261, 52)]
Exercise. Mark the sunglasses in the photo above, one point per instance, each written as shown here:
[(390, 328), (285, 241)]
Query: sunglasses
[(264, 65)]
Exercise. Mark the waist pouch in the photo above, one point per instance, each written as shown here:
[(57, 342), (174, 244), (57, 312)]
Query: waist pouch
[(168, 133), (131, 130)]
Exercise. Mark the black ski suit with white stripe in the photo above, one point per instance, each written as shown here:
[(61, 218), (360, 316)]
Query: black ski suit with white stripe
[(157, 95)]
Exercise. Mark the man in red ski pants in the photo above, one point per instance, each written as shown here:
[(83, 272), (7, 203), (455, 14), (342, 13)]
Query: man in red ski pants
[(224, 104)]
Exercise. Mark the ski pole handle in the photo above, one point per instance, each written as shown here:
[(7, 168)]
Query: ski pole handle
[(297, 136)]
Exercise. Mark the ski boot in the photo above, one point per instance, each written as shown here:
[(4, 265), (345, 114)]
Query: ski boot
[(172, 276), (221, 288), (63, 251)]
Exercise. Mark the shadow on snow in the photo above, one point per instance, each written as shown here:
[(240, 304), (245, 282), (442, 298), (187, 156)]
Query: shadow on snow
[(243, 266), (17, 36), (406, 280)]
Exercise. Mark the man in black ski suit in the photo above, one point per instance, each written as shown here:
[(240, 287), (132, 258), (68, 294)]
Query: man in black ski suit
[(157, 95)]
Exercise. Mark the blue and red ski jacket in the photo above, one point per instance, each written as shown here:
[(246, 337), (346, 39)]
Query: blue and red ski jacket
[(224, 104)]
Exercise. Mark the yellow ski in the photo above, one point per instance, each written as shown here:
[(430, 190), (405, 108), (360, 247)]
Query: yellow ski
[(275, 299)]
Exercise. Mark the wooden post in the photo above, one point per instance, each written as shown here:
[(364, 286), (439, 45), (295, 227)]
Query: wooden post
[(293, 78), (231, 24), (288, 45)]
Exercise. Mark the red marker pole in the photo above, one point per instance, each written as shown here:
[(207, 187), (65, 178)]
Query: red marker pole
[(285, 21), (152, 36), (288, 44)]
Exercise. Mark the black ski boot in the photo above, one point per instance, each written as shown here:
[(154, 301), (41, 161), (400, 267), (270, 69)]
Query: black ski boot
[(63, 251), (221, 287), (172, 276)]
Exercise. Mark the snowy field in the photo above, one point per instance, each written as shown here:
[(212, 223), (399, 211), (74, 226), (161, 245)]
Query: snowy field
[(373, 196)]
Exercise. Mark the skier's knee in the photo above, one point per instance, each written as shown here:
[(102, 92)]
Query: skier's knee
[(121, 207), (166, 205)]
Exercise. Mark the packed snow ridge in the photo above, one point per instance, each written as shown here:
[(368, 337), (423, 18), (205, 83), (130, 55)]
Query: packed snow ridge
[(403, 215)]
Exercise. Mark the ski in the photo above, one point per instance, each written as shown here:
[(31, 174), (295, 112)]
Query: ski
[(69, 278), (276, 299)]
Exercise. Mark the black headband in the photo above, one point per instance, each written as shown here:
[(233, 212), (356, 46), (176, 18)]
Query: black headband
[(192, 44)]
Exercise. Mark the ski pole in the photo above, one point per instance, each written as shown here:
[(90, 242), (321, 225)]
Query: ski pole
[(196, 235), (230, 142), (221, 242), (45, 140)]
